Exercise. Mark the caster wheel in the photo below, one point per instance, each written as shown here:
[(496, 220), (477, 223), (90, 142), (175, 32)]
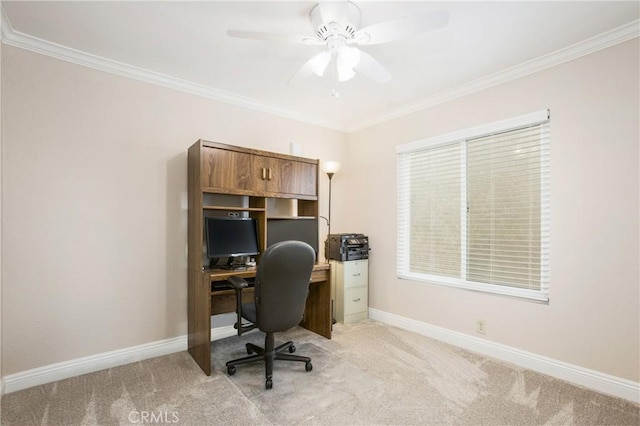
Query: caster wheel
[(308, 366), (292, 349), (268, 384), (231, 370), (249, 350)]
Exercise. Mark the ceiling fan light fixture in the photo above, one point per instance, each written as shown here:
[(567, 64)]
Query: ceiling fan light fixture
[(347, 58), (345, 73), (319, 63)]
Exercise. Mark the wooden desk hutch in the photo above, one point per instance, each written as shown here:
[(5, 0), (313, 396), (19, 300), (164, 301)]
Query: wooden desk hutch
[(229, 180)]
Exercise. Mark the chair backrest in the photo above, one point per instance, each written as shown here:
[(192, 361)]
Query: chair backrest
[(282, 284)]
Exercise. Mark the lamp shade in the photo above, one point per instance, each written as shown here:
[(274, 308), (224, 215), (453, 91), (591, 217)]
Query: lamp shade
[(331, 166)]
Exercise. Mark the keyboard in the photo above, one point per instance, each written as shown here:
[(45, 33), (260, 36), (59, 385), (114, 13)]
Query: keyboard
[(224, 285)]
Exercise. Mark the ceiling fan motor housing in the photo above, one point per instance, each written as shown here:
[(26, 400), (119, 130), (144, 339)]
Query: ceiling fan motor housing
[(335, 19)]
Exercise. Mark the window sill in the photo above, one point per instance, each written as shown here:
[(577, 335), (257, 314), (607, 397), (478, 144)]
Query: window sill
[(520, 293)]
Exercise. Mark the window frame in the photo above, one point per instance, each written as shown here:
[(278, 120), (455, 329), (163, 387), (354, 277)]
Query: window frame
[(461, 138)]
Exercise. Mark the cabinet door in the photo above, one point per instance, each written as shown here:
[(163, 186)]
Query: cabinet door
[(230, 171), (291, 177), (234, 172)]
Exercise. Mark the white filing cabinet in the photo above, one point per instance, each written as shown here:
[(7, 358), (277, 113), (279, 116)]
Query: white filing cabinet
[(351, 290)]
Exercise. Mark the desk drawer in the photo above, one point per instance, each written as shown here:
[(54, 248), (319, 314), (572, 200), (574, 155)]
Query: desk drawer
[(355, 300), (356, 273), (318, 276)]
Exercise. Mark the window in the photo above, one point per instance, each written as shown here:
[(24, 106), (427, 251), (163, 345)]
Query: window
[(473, 208)]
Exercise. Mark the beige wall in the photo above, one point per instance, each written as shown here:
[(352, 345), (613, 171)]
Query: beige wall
[(95, 198), (593, 317)]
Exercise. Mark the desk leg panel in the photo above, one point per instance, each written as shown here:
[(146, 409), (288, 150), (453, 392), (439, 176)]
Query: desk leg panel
[(317, 316), (199, 320)]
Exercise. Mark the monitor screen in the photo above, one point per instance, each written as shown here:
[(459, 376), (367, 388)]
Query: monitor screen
[(231, 237), (305, 230)]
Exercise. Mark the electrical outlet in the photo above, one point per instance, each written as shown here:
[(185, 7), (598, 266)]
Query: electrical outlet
[(481, 327)]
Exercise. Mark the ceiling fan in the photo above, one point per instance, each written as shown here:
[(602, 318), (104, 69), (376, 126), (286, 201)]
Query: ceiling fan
[(337, 26)]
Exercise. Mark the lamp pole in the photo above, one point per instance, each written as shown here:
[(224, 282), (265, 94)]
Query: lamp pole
[(330, 174), (330, 168)]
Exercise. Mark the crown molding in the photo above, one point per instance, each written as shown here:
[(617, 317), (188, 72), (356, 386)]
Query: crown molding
[(24, 41), (610, 38), (602, 41)]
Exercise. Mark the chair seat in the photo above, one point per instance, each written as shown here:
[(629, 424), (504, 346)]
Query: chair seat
[(249, 312)]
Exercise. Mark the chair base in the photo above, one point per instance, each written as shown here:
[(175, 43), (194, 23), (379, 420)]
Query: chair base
[(268, 354)]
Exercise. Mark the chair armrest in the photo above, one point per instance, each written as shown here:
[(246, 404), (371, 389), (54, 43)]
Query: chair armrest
[(237, 283)]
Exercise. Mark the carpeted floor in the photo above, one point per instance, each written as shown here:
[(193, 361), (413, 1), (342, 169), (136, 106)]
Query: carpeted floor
[(368, 374)]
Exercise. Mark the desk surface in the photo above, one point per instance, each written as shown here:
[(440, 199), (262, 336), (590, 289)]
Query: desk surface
[(223, 274)]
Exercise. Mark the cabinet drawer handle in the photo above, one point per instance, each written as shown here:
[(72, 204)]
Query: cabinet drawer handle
[(356, 275), (269, 174), (356, 300), (264, 173)]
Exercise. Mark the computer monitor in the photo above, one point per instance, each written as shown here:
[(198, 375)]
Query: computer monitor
[(229, 238), (300, 229)]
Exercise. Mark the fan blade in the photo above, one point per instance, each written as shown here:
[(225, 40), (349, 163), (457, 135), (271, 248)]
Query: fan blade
[(395, 29), (303, 73), (287, 38), (371, 68), (316, 65)]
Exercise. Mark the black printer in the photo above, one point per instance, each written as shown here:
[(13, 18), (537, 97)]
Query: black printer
[(346, 247)]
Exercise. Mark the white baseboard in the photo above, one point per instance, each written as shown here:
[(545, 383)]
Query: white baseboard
[(591, 379), (595, 380), (223, 332), (93, 363)]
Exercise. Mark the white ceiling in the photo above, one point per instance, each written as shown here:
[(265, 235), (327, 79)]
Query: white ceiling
[(185, 45)]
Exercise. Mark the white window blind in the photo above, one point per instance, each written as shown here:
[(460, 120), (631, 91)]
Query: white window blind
[(473, 208)]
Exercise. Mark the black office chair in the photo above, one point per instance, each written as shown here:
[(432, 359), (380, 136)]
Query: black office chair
[(281, 287)]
